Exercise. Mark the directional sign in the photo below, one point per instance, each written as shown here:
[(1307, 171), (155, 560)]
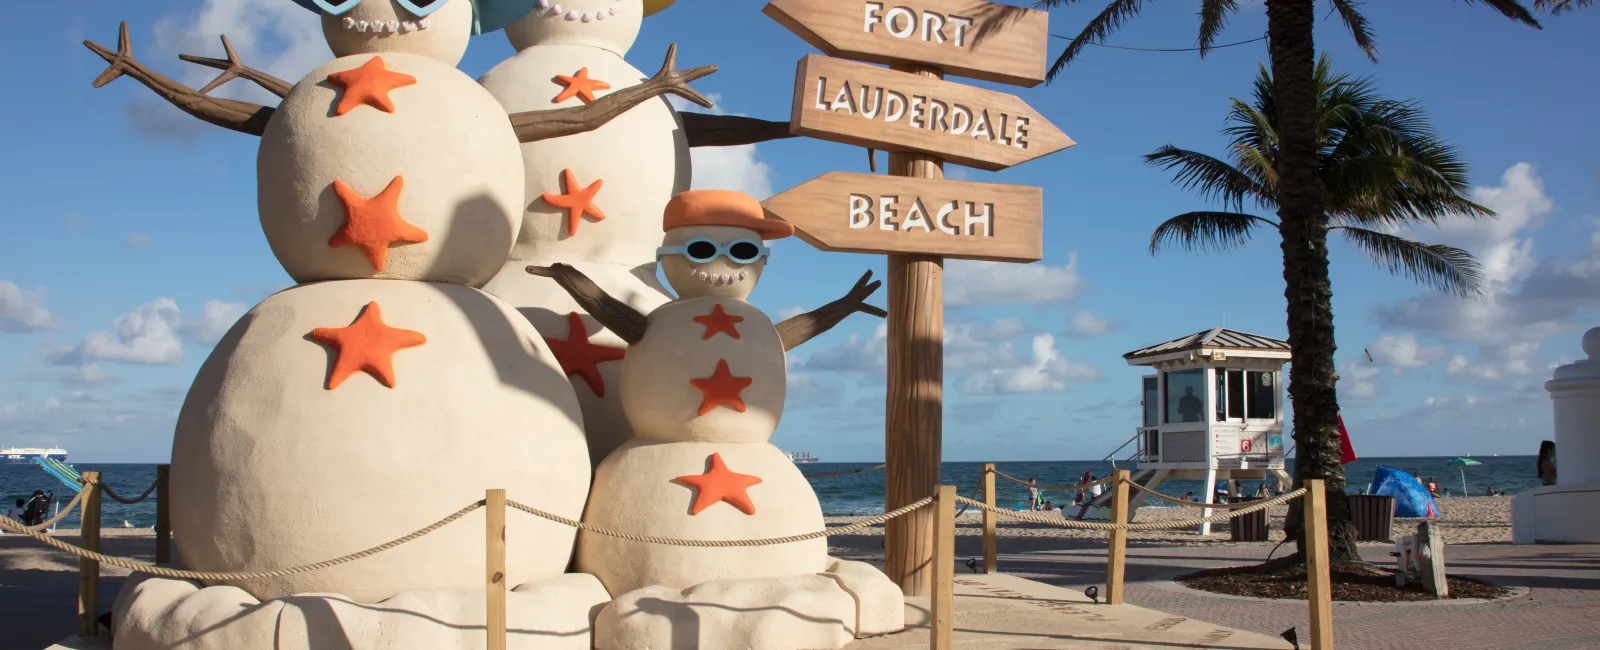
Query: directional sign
[(875, 107), (968, 38), (871, 213)]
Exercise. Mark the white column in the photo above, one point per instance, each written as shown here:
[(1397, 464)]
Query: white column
[(1211, 495), (1575, 394)]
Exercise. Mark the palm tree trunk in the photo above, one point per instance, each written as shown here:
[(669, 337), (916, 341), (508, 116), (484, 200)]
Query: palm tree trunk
[(1307, 286)]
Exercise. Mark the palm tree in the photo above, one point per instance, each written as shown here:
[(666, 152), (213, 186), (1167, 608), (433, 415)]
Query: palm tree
[(1555, 7), (1302, 221)]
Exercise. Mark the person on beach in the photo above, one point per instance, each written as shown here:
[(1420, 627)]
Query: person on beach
[(1094, 491), (1049, 506), (1035, 498), (1547, 462), (1188, 496), (38, 507), (1261, 492), (1433, 488), (16, 513)]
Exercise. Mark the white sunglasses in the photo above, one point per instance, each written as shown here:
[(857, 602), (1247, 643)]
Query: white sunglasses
[(702, 250)]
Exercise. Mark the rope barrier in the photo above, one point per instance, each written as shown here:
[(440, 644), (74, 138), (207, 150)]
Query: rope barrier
[(120, 499), (857, 470), (771, 541), (145, 567), (74, 503), (1054, 488), (1162, 525), (1191, 504), (975, 490)]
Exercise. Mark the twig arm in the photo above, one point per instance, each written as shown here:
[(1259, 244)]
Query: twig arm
[(619, 317), (532, 126), (807, 326), (243, 117), (707, 130), (232, 69)]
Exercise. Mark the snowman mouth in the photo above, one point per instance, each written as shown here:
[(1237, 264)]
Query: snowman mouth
[(385, 26), (720, 279), (549, 9)]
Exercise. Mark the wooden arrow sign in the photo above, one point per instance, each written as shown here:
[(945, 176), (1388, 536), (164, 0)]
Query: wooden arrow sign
[(968, 38), (870, 213), (875, 107)]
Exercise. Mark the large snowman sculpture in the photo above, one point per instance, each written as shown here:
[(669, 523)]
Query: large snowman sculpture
[(703, 386), (385, 392)]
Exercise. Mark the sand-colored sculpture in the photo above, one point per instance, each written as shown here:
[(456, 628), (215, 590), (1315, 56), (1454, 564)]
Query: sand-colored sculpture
[(703, 387), (594, 199), (341, 414)]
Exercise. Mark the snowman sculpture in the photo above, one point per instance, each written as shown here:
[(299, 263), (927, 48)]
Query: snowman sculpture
[(703, 386), (594, 198), (384, 392)]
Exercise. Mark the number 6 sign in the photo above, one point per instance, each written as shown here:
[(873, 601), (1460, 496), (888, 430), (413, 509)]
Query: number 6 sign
[(1244, 445)]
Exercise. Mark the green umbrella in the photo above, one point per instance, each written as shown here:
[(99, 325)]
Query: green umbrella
[(1462, 463)]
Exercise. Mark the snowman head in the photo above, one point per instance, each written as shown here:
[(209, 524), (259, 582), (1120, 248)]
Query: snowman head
[(607, 24), (437, 29), (714, 244)]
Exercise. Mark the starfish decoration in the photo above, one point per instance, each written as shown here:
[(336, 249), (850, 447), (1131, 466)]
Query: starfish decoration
[(577, 200), (580, 86), (720, 484), (367, 345), (578, 356), (369, 84), (374, 224), (721, 388), (719, 321)]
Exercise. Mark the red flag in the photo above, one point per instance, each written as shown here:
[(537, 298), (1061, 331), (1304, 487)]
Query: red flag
[(1347, 453)]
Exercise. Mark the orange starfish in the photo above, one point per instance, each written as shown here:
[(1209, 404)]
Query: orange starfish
[(369, 84), (720, 484), (577, 200), (367, 345), (719, 321), (578, 356), (580, 86), (721, 388), (374, 224)]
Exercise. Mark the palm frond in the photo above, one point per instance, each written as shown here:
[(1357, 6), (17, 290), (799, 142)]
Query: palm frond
[(1358, 27), (1555, 7), (1213, 17), (1440, 267), (1096, 31), (1206, 231), (1213, 179), (1511, 9)]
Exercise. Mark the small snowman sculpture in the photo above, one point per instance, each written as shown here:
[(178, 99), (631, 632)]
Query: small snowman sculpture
[(703, 387)]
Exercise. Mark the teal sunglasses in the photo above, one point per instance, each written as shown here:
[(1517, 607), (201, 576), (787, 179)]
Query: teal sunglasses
[(702, 250)]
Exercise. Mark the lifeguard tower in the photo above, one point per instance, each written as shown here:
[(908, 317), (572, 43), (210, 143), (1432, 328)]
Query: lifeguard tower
[(1212, 411)]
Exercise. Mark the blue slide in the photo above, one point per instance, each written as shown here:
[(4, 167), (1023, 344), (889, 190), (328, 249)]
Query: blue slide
[(1411, 499)]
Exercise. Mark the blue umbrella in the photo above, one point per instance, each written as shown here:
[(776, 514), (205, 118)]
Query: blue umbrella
[(1462, 463)]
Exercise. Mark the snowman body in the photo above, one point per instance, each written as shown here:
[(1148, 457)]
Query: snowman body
[(640, 487), (641, 159)]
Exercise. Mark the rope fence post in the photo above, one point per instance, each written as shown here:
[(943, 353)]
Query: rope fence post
[(89, 570), (942, 627), (1317, 579), (494, 566), (163, 515), (990, 544), (1117, 553)]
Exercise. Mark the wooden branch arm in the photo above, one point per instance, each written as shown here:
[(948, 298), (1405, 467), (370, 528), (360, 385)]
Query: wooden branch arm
[(244, 117), (707, 130), (532, 126), (807, 326), (619, 317), (232, 69)]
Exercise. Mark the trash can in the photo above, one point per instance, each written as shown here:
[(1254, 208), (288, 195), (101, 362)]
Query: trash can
[(1373, 516), (1249, 527)]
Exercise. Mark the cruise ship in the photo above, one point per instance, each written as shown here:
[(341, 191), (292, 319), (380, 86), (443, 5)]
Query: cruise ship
[(14, 455), (801, 457)]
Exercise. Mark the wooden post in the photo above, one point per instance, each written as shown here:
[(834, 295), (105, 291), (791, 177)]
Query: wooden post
[(989, 542), (942, 627), (915, 409), (163, 515), (1117, 555), (494, 566), (1317, 579), (89, 570)]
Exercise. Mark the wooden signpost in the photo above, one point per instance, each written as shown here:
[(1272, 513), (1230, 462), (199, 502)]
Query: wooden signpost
[(922, 121), (871, 213)]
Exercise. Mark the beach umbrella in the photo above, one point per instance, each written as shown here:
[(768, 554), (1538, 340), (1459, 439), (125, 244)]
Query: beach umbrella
[(1462, 463)]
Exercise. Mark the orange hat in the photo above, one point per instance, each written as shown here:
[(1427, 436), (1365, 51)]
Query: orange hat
[(722, 208)]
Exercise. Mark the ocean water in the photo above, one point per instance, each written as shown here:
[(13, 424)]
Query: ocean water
[(851, 494)]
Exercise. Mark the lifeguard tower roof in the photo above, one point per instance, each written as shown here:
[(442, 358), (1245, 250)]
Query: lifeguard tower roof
[(1206, 341)]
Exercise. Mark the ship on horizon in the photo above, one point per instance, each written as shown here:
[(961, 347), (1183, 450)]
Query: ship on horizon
[(19, 455), (801, 457)]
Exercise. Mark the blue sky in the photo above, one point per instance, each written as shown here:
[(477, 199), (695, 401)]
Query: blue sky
[(132, 241)]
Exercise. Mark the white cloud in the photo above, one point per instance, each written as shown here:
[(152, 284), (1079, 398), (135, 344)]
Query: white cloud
[(812, 390), (146, 335), (726, 168), (1359, 380), (137, 241), (1048, 371), (855, 353), (967, 346), (280, 38), (24, 311), (1402, 351), (1085, 324), (215, 319), (790, 312), (983, 284)]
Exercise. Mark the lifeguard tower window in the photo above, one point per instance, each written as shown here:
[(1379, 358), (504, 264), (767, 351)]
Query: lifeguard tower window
[(1152, 402), (1230, 395), (1262, 404), (1185, 395)]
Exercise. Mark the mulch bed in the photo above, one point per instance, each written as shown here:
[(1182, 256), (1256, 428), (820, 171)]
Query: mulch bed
[(1286, 578)]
